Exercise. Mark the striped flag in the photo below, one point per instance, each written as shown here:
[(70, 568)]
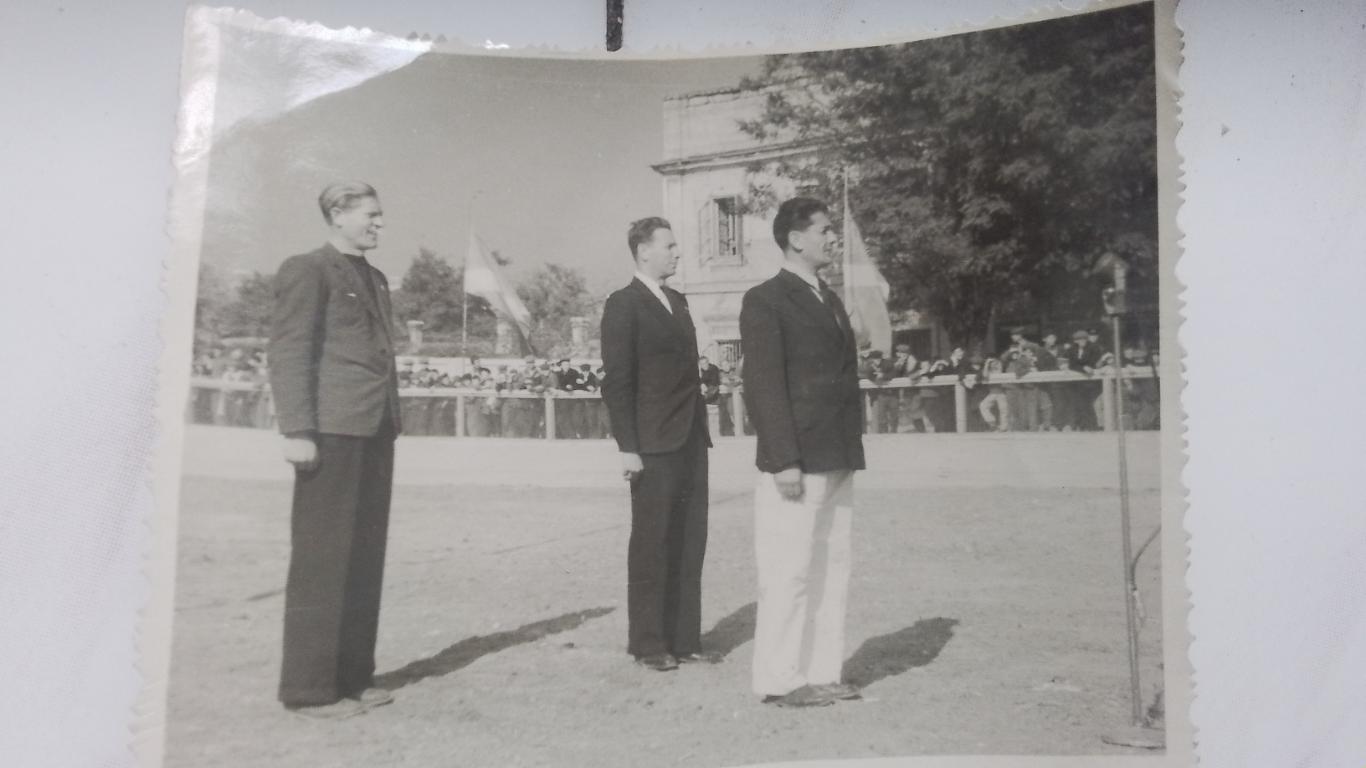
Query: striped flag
[(865, 291), (484, 278)]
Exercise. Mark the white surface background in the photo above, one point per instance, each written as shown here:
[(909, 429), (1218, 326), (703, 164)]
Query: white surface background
[(1275, 221)]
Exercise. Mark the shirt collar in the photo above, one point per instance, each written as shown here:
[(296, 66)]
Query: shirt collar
[(650, 282), (805, 274)]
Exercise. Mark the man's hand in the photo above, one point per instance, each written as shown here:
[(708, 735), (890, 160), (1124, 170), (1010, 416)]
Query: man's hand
[(631, 466), (302, 452), (789, 482)]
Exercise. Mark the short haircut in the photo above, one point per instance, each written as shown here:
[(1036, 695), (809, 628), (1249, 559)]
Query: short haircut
[(343, 195), (643, 231), (795, 214)]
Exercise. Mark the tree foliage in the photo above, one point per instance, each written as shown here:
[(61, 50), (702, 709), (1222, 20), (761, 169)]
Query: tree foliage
[(553, 295), (249, 312), (987, 170), (431, 291)]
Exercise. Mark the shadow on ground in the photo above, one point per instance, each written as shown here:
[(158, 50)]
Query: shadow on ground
[(469, 650), (731, 632), (898, 652)]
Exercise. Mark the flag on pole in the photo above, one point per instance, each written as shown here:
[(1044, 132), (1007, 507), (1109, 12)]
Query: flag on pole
[(865, 290), (484, 278)]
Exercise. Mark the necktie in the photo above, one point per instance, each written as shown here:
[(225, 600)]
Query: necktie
[(828, 299)]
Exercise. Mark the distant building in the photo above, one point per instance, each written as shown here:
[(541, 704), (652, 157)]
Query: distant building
[(727, 249)]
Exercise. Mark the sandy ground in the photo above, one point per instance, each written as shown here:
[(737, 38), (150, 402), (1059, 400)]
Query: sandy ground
[(985, 616)]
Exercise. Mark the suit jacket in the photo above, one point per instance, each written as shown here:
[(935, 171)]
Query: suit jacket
[(331, 350), (650, 381), (567, 379), (1081, 357), (801, 377)]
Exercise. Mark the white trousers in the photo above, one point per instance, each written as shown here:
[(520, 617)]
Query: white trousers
[(802, 549)]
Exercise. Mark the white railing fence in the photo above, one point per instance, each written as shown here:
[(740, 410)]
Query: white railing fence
[(1035, 401)]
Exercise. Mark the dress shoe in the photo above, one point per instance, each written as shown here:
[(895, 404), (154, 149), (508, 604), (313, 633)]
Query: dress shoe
[(842, 691), (374, 697), (698, 658), (337, 710), (805, 696), (659, 662)]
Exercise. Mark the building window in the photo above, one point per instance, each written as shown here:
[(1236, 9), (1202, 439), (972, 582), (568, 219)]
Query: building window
[(729, 238), (728, 352), (720, 232)]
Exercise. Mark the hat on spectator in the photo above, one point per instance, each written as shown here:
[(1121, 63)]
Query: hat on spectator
[(1017, 330), (1080, 334)]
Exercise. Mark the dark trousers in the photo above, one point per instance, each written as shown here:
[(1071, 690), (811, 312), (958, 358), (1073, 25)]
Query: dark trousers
[(668, 542), (338, 533)]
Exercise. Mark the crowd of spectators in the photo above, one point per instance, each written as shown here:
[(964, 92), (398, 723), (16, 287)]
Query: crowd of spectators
[(242, 364), (1001, 396), (508, 399), (238, 406)]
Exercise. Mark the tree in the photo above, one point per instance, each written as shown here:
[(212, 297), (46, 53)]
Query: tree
[(987, 170), (249, 312), (554, 294), (210, 300), (431, 291)]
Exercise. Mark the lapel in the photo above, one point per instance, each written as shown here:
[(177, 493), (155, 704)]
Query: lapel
[(682, 320), (846, 331), (341, 266), (670, 320), (800, 292)]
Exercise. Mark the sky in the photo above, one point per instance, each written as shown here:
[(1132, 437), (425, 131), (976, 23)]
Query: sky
[(546, 160)]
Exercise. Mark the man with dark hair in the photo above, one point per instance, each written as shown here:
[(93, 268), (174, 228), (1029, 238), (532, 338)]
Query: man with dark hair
[(335, 384), (710, 376), (568, 413), (1084, 357), (801, 386), (659, 420)]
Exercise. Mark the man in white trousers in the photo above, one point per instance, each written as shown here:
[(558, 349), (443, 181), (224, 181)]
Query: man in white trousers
[(801, 387)]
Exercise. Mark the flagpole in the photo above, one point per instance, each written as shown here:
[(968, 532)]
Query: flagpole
[(464, 276), (846, 266)]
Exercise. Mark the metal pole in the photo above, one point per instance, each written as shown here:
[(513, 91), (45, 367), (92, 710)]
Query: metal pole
[(1136, 695)]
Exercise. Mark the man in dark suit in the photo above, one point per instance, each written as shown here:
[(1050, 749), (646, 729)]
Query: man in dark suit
[(335, 385), (801, 386), (710, 376), (659, 420), (1083, 356)]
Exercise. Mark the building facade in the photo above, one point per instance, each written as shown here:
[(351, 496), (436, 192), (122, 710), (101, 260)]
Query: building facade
[(708, 169)]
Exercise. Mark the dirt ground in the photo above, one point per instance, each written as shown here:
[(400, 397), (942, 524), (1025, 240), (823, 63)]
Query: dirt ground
[(982, 621)]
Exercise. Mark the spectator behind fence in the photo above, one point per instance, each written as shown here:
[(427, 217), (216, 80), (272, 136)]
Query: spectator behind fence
[(1051, 358), (1028, 409), (1083, 357), (725, 402), (1143, 404), (995, 406), (881, 406), (710, 376)]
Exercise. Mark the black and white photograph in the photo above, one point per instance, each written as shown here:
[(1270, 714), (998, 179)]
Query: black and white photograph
[(546, 409)]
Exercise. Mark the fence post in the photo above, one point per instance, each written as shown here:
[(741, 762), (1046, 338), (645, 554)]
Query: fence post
[(960, 407), (868, 415), (549, 416), (737, 407), (1107, 402), (220, 406), (460, 415)]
